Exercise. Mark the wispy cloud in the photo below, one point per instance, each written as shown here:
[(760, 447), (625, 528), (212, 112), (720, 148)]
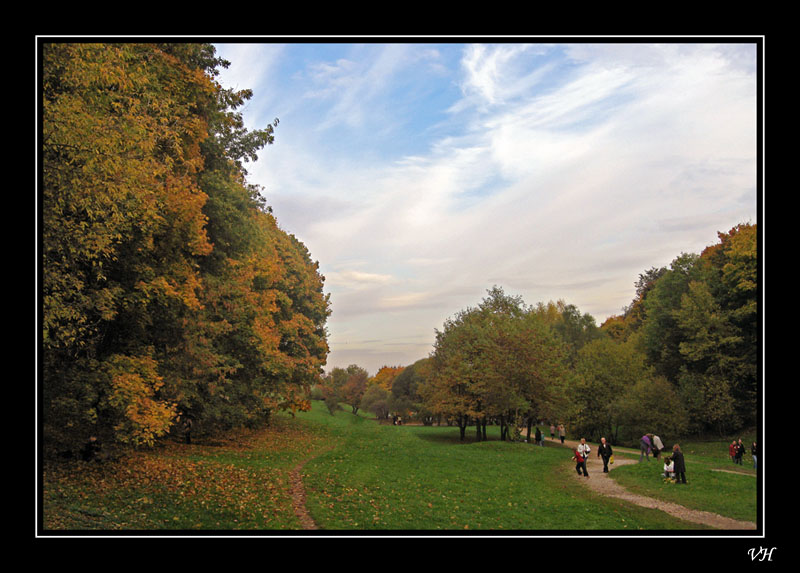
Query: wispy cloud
[(419, 176)]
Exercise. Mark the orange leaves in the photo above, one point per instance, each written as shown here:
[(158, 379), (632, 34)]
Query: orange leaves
[(134, 385)]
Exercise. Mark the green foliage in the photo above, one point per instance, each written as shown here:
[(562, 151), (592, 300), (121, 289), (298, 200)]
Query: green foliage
[(697, 324), (376, 401), (607, 372), (497, 360)]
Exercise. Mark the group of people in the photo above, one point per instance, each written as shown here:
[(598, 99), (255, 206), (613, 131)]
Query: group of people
[(674, 466), (650, 444), (583, 450), (737, 449), (562, 432)]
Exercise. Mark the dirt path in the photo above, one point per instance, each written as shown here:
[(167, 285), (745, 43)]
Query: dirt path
[(601, 483), (299, 497)]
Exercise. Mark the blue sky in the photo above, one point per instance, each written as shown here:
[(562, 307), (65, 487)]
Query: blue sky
[(420, 175)]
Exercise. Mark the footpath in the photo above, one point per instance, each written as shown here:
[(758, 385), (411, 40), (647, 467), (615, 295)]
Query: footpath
[(601, 483)]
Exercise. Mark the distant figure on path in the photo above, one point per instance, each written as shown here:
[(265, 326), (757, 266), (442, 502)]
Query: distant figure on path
[(562, 433), (538, 437), (604, 451), (754, 453), (732, 451), (552, 432), (644, 448), (679, 464)]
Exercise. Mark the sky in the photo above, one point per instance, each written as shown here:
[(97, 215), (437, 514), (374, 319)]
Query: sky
[(420, 175)]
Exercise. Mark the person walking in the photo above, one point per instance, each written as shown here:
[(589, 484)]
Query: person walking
[(552, 431), (732, 451), (537, 437), (583, 454), (739, 452), (562, 432), (644, 448), (604, 451), (679, 464), (754, 453)]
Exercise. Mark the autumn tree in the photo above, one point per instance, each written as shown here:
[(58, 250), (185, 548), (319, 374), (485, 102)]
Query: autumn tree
[(405, 396), (497, 360), (385, 376), (354, 387), (169, 293)]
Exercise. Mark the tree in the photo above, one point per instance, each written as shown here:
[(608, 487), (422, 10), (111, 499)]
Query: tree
[(607, 371), (661, 338), (572, 327), (354, 387), (376, 401), (498, 360), (386, 376), (170, 295)]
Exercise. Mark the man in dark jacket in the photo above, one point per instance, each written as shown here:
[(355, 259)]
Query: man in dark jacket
[(680, 465), (604, 451)]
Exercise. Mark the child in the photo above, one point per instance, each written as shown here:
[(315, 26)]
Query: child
[(669, 468), (580, 465)]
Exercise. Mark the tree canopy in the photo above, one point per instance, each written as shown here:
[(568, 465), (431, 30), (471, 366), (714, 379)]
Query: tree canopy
[(495, 360), (171, 299)]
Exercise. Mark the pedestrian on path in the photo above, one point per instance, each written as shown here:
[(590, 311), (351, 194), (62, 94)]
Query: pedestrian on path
[(552, 431), (679, 464), (583, 451), (732, 451), (604, 451), (562, 432), (644, 448), (538, 437), (754, 453)]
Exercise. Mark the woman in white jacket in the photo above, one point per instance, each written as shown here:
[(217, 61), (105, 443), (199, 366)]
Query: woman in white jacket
[(583, 450)]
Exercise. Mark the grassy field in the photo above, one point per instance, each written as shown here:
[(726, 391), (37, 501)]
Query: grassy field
[(712, 484), (362, 476)]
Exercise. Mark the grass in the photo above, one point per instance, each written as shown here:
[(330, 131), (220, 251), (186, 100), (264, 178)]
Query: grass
[(238, 484), (712, 487), (412, 478), (359, 476)]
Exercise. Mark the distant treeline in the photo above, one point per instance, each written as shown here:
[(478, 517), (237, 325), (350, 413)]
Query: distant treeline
[(172, 302), (681, 359)]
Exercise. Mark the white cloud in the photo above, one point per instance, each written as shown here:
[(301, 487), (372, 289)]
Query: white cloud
[(563, 173)]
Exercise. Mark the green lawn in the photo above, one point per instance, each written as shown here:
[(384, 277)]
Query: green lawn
[(712, 486), (403, 478), (362, 476)]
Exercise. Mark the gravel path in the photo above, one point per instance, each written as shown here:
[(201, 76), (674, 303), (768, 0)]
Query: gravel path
[(601, 483)]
